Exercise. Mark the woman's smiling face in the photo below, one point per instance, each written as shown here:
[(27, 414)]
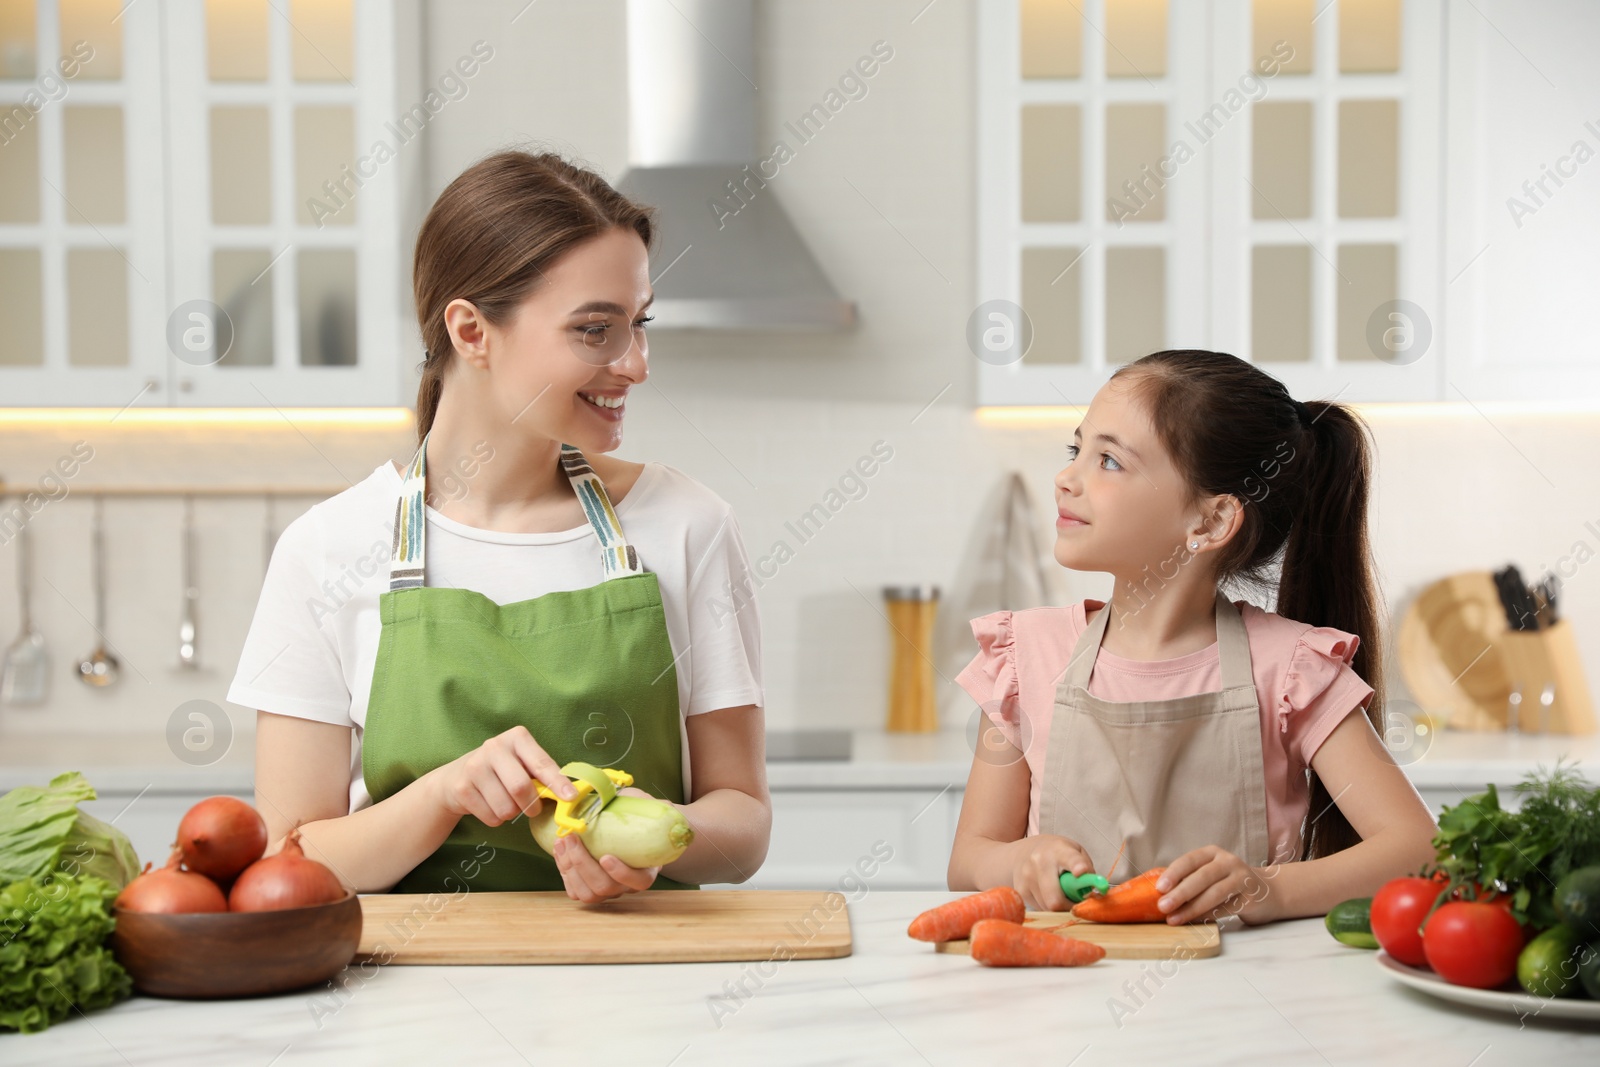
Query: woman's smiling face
[(1120, 502), (564, 364)]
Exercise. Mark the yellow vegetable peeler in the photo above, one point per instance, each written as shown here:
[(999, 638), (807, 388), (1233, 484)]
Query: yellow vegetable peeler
[(596, 787)]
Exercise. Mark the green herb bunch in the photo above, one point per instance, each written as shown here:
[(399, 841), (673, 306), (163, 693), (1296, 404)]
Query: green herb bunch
[(1484, 848)]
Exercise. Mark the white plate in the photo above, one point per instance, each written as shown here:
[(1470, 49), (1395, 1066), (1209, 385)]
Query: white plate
[(1521, 1004)]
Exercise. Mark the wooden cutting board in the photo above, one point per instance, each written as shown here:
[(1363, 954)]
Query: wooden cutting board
[(1126, 941), (664, 927)]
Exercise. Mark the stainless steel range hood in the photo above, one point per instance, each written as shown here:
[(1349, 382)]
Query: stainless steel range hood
[(726, 257)]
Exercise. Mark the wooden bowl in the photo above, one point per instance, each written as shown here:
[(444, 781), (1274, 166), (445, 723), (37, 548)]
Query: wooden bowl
[(236, 953)]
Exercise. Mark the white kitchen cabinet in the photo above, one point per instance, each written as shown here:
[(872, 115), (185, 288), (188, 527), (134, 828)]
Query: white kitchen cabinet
[(1262, 178), (209, 209)]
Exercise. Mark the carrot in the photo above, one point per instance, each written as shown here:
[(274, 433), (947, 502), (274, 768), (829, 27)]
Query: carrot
[(998, 943), (953, 921), (1133, 901)]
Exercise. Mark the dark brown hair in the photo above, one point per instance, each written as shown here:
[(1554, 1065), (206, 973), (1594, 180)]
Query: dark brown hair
[(1232, 428), (490, 236)]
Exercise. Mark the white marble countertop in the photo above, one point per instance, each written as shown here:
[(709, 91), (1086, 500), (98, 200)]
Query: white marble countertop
[(1281, 993), (120, 764)]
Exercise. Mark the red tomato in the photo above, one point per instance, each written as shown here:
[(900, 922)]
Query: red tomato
[(1397, 912), (1479, 893), (1472, 944)]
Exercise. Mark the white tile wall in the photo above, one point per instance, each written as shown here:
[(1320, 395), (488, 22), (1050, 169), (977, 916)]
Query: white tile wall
[(1452, 494)]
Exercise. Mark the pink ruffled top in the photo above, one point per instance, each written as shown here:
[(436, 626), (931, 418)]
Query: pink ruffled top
[(1302, 674)]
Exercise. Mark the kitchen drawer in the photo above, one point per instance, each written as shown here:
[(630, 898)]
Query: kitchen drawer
[(820, 836), (151, 823)]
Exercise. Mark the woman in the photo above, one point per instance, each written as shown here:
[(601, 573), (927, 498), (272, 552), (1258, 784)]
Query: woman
[(543, 602)]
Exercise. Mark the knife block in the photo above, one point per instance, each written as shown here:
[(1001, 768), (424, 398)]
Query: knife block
[(1534, 658)]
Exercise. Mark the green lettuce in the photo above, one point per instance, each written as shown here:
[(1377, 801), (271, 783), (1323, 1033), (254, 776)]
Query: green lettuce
[(42, 830), (53, 952)]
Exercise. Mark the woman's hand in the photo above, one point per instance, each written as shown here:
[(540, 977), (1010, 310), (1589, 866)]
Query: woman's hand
[(592, 880), (495, 781), (1036, 872), (1211, 882)]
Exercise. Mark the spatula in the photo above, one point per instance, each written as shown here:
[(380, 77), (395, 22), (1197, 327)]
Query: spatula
[(27, 670)]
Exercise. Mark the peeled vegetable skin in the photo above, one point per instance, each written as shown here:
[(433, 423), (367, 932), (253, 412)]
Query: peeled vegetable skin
[(639, 831)]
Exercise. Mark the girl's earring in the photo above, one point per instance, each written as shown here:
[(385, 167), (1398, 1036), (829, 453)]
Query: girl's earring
[(1194, 546)]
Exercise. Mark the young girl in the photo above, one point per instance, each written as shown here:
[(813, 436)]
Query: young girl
[(1173, 726), (513, 598)]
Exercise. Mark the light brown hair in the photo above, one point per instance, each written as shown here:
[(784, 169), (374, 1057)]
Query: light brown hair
[(491, 235)]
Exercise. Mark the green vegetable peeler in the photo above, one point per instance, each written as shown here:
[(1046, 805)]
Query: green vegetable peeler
[(1077, 886)]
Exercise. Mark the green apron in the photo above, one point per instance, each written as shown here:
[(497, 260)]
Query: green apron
[(589, 672)]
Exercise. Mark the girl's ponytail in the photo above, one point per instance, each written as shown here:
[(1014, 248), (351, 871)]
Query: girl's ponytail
[(1328, 577)]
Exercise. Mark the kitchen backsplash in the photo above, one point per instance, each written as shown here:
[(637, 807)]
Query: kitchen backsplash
[(885, 198), (1454, 491)]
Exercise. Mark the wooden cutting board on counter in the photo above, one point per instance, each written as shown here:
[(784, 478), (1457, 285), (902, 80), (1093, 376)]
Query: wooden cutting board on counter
[(707, 925), (1126, 941)]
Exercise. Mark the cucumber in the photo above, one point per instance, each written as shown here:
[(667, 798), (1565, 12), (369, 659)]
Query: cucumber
[(1350, 923), (639, 831), (1547, 967), (1577, 901)]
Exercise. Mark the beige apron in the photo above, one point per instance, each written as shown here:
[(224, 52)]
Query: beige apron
[(1167, 775)]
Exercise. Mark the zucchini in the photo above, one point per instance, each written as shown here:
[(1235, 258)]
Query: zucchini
[(639, 831), (1350, 923)]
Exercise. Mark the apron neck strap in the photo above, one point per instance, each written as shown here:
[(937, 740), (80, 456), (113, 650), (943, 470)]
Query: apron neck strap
[(617, 558), (408, 552), (1233, 647)]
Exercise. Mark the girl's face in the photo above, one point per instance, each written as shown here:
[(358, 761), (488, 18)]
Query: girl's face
[(1121, 504), (563, 366)]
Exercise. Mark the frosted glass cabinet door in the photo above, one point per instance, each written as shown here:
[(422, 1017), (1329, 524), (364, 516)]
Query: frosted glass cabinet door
[(1091, 207), (205, 209), (290, 237), (1260, 177), (82, 247), (1326, 261)]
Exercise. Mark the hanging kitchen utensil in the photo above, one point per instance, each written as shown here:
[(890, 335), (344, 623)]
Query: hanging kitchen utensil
[(101, 667), (188, 655), (27, 669)]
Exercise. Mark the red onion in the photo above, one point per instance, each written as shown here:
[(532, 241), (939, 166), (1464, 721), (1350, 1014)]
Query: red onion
[(171, 890), (221, 836), (286, 879)]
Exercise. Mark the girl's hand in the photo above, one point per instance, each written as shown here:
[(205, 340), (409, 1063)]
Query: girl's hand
[(594, 880), (1210, 882), (494, 782), (1036, 874)]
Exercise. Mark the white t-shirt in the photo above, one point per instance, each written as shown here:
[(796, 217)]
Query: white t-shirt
[(313, 642)]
